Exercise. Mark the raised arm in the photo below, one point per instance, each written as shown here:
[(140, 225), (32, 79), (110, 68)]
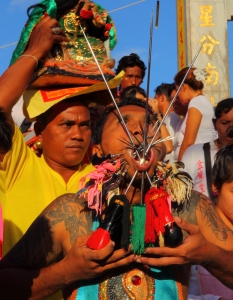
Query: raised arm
[(57, 236), (16, 78)]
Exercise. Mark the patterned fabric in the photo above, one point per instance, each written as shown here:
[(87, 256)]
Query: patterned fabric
[(134, 282)]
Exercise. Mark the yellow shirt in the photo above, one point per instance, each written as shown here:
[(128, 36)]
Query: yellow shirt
[(27, 186)]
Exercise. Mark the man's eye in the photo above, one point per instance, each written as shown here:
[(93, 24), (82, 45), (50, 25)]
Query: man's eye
[(87, 125), (67, 124), (126, 120)]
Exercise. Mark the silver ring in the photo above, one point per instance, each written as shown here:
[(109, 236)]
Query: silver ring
[(56, 30)]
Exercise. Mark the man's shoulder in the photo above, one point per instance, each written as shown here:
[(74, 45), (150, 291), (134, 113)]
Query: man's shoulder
[(197, 202)]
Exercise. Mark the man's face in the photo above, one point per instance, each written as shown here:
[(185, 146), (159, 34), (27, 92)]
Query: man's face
[(179, 108), (114, 137), (133, 76), (67, 134), (224, 127)]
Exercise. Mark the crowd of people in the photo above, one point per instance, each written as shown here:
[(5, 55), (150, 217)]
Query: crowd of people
[(47, 219)]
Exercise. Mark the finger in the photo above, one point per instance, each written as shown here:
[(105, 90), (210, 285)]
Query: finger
[(161, 262), (119, 254), (119, 263), (99, 255), (162, 251), (190, 228)]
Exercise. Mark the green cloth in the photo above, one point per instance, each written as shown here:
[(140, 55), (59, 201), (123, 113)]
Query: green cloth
[(34, 18)]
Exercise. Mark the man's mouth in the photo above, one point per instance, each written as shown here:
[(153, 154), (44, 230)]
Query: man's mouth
[(229, 132), (75, 147), (140, 163)]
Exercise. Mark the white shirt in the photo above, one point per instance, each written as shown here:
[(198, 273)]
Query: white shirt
[(171, 122), (194, 161), (206, 131)]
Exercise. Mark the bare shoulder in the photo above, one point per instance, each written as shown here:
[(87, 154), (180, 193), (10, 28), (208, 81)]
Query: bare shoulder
[(201, 211), (69, 216)]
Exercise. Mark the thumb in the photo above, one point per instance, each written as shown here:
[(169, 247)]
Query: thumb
[(184, 225)]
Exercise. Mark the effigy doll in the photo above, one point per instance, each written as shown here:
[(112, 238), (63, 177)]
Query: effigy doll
[(72, 63)]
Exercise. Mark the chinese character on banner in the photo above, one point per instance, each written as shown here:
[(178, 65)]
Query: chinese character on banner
[(213, 75), (181, 14), (182, 59), (208, 47), (206, 18), (181, 37), (200, 174), (200, 165), (212, 100), (202, 188)]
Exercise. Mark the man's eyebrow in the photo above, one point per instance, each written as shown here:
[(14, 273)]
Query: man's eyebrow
[(68, 120), (88, 121), (122, 114)]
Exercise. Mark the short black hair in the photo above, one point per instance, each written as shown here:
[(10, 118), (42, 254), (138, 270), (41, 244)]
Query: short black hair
[(223, 106), (131, 91), (97, 136), (165, 89), (132, 60), (223, 166)]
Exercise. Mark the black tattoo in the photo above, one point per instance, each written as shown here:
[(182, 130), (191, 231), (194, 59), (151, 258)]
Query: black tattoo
[(200, 203), (73, 211)]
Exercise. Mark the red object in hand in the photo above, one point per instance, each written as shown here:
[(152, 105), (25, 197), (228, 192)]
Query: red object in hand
[(99, 239)]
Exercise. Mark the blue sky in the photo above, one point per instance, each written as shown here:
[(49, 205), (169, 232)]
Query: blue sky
[(132, 25)]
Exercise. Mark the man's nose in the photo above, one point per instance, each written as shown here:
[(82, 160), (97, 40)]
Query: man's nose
[(76, 133), (133, 81), (138, 135)]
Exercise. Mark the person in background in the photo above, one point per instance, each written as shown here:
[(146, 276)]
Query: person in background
[(135, 71), (133, 91), (181, 111), (197, 126), (162, 100), (198, 160)]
